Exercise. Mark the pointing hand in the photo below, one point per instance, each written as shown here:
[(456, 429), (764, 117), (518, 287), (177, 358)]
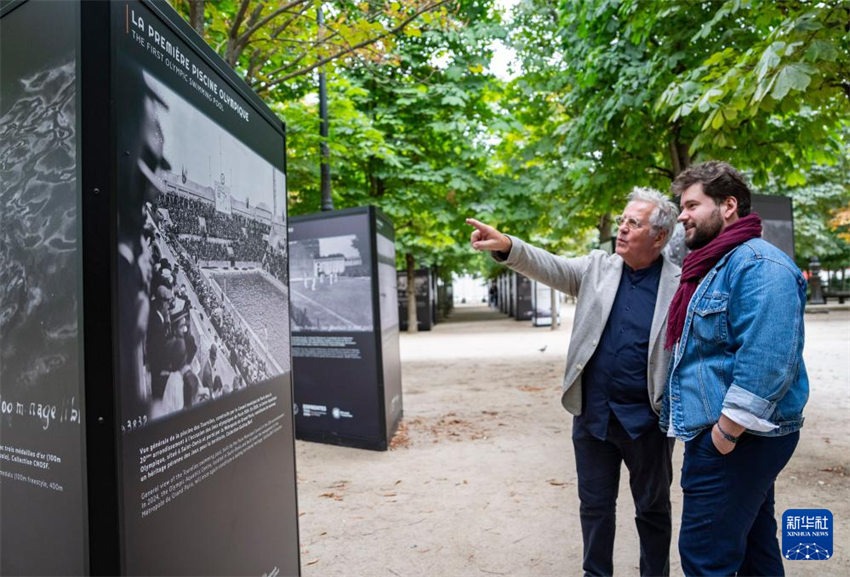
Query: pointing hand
[(485, 237)]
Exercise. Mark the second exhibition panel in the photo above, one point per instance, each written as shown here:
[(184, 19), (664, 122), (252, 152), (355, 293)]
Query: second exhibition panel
[(345, 328)]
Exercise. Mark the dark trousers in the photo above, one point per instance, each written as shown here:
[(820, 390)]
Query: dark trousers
[(649, 461), (728, 523)]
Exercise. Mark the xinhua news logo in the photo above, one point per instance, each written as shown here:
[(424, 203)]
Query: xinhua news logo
[(807, 534)]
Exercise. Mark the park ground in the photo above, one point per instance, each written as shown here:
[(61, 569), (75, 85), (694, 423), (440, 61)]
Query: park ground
[(480, 478)]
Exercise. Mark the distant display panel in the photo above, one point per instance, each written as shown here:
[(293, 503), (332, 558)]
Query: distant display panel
[(543, 304), (424, 299), (523, 307)]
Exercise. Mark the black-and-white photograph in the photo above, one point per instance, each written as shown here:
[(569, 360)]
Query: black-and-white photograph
[(331, 284), (202, 258), (40, 262)]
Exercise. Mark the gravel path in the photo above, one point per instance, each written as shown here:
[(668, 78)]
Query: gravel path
[(480, 479)]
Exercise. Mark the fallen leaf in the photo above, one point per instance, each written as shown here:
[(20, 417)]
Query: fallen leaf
[(531, 389), (401, 438)]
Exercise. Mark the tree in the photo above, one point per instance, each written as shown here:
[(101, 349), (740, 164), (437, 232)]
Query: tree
[(431, 108), (354, 140), (276, 45), (820, 223), (776, 103), (532, 191), (406, 103), (612, 94), (595, 69), (636, 90)]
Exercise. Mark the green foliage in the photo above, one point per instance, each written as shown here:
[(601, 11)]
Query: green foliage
[(407, 104), (276, 45), (588, 128), (353, 139), (817, 231), (774, 101), (618, 93), (534, 192), (611, 94), (432, 110)]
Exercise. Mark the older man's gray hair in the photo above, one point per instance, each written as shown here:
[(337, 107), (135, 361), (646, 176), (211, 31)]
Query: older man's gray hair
[(663, 216)]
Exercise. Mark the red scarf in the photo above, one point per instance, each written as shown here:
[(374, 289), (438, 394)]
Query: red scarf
[(698, 262)]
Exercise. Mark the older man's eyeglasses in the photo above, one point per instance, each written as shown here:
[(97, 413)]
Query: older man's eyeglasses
[(631, 222)]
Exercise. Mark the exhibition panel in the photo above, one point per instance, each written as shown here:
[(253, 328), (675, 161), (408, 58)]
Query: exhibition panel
[(42, 405), (151, 328), (345, 328)]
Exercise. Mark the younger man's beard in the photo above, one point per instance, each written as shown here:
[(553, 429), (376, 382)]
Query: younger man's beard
[(705, 232)]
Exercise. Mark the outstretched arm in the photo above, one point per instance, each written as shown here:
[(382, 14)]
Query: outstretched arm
[(563, 274)]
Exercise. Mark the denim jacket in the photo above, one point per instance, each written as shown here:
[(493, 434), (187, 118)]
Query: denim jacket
[(742, 345)]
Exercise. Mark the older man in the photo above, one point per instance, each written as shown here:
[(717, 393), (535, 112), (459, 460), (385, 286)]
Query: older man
[(738, 384), (616, 369)]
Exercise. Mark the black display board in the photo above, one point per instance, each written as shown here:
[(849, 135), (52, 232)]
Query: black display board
[(435, 313), (445, 299), (504, 296), (522, 295), (425, 299), (43, 520), (777, 219), (345, 328), (176, 457), (510, 293)]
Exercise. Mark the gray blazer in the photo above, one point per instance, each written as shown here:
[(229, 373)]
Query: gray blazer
[(593, 279)]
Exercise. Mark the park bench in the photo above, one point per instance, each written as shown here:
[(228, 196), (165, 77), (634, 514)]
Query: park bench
[(840, 295)]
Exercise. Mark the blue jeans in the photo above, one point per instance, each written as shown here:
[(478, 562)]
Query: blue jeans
[(728, 523), (649, 461)]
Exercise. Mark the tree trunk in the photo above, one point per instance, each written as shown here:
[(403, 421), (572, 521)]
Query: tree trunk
[(680, 159), (196, 16), (605, 235), (412, 322), (375, 184)]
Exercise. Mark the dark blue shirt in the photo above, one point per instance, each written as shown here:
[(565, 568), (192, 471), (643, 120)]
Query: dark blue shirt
[(614, 380)]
